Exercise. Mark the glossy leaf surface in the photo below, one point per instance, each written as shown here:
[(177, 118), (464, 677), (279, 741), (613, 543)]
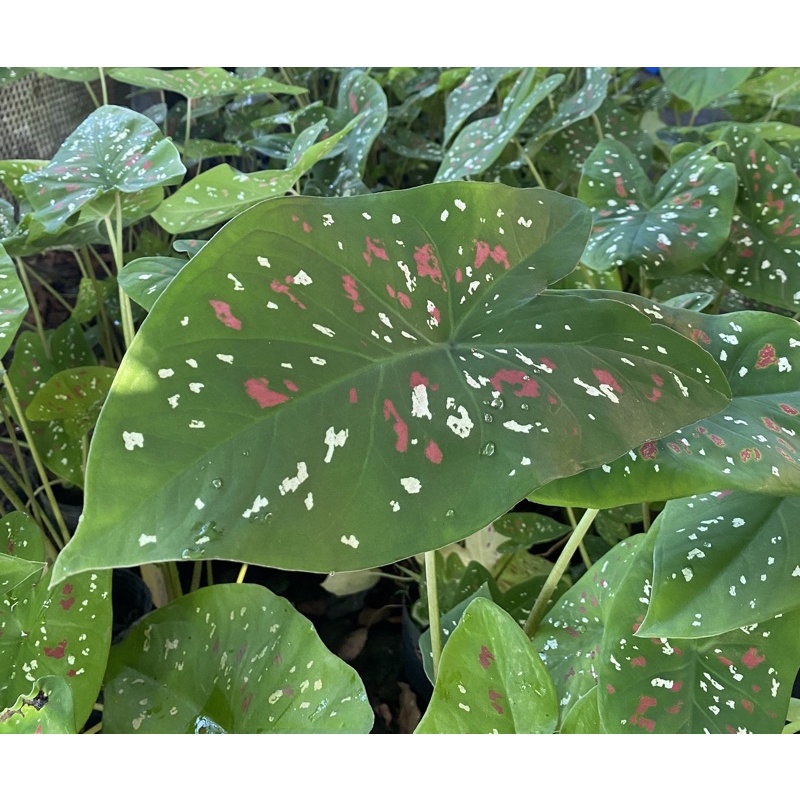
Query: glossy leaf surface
[(491, 680), (230, 658), (13, 303), (144, 279), (475, 91), (349, 372)]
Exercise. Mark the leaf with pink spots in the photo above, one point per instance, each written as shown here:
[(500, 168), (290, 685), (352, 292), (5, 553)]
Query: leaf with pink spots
[(230, 658)]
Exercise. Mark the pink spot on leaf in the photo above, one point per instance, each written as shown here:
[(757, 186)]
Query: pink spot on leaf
[(620, 186), (258, 389), (428, 265), (223, 312), (485, 657), (607, 378), (751, 659), (349, 284), (400, 427), (493, 698), (57, 651), (639, 661), (498, 254), (789, 409), (433, 453), (637, 719), (515, 377), (766, 357), (280, 288), (353, 395), (374, 248), (649, 450), (67, 604)]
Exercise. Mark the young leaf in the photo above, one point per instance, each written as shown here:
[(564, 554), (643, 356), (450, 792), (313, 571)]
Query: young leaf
[(113, 150), (327, 384), (475, 91), (722, 561), (64, 631), (749, 446), (670, 228), (230, 658), (144, 279), (762, 256), (491, 680), (700, 86)]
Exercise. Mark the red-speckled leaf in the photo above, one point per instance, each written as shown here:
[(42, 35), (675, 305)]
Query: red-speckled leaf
[(115, 150), (331, 383), (144, 279), (13, 303), (474, 92), (222, 192), (230, 658), (480, 144), (667, 229), (491, 680), (751, 445), (45, 707), (737, 682), (762, 256), (723, 560), (63, 631), (569, 637), (699, 86)]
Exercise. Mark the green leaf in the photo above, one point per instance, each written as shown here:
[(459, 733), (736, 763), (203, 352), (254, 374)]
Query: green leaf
[(144, 279), (737, 682), (64, 631), (762, 256), (11, 173), (13, 303), (474, 92), (73, 396), (722, 561), (778, 88), (480, 143), (584, 716), (222, 192), (14, 571), (670, 228), (78, 74), (491, 680), (230, 658), (46, 708), (115, 150), (92, 293), (525, 529), (190, 83), (749, 445), (700, 86), (329, 383)]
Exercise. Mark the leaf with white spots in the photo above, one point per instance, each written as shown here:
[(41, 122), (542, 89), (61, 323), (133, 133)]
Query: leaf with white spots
[(64, 631), (482, 142), (11, 172), (222, 192), (144, 279), (737, 682), (45, 707), (761, 258), (584, 716), (750, 445), (669, 228), (491, 680), (700, 86), (114, 152), (448, 370), (13, 303), (723, 560), (230, 658)]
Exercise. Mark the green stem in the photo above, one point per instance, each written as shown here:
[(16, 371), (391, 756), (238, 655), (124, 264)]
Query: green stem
[(103, 86), (92, 94), (115, 236), (559, 568), (646, 521), (23, 274), (48, 489), (598, 128), (431, 586), (47, 287), (197, 574), (531, 166), (188, 130)]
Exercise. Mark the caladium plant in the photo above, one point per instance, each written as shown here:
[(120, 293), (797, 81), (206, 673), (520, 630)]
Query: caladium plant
[(354, 357)]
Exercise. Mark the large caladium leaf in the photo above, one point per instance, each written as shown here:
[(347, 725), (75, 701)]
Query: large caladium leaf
[(475, 91), (491, 680), (62, 631), (762, 256), (751, 445), (723, 560), (230, 658), (13, 302), (351, 371), (736, 682), (699, 86), (115, 151), (667, 229)]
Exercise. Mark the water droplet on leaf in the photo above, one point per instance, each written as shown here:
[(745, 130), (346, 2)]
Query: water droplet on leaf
[(449, 512), (488, 417), (497, 403), (217, 483), (488, 449)]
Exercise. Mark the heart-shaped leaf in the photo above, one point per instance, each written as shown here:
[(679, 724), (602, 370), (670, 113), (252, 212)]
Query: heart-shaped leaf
[(737, 682), (481, 142), (11, 173), (475, 91), (749, 446), (762, 256), (670, 228), (13, 303), (230, 658), (700, 86), (144, 279), (722, 561), (491, 680), (353, 369), (64, 631), (115, 150)]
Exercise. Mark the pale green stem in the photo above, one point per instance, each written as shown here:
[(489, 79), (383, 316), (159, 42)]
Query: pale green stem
[(48, 288), (92, 94), (431, 585), (209, 573), (115, 237), (188, 131), (23, 274), (559, 568), (173, 580), (531, 166), (587, 562), (103, 86), (242, 573), (48, 489), (598, 128)]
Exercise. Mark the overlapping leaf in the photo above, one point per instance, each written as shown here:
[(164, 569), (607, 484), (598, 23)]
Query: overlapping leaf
[(762, 257), (13, 303), (474, 92), (723, 561), (700, 86), (63, 631), (751, 445), (144, 279), (667, 229), (330, 382), (230, 658), (491, 680)]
